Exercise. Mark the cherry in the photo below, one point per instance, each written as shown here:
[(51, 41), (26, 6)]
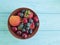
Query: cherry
[(36, 19), (19, 32), (20, 14), (14, 29), (24, 35)]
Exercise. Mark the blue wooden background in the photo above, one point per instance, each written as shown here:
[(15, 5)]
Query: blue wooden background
[(48, 12)]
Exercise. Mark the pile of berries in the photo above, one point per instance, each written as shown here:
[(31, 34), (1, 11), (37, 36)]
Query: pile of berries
[(23, 23)]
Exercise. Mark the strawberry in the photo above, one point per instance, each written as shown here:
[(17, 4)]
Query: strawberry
[(30, 15), (26, 14), (32, 26)]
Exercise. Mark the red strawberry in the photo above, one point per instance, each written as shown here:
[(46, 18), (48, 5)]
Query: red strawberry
[(24, 20), (32, 26), (30, 15), (36, 19)]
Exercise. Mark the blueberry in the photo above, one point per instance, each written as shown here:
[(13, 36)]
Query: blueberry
[(23, 11), (30, 31), (30, 20), (28, 24), (23, 30), (20, 26), (37, 24), (21, 15), (27, 28)]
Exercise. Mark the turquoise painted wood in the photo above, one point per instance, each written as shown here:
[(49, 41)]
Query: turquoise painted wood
[(47, 21), (40, 6), (48, 12), (41, 38)]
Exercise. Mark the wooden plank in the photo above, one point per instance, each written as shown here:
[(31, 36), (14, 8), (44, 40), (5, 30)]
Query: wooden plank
[(4, 21), (41, 38), (47, 21), (41, 6), (49, 15)]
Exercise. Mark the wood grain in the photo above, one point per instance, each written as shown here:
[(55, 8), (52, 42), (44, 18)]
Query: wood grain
[(48, 12)]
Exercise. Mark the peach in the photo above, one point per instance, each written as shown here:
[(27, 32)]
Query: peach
[(14, 20)]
